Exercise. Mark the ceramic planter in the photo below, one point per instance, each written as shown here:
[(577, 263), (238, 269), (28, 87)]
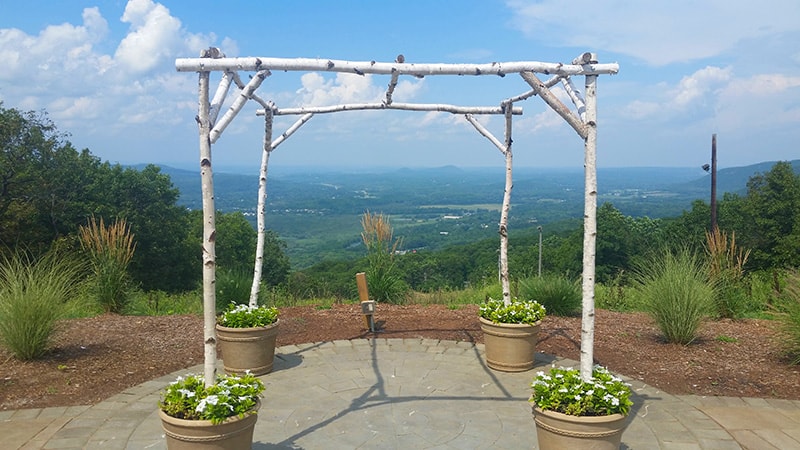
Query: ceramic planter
[(246, 349), (510, 347), (234, 433), (560, 431)]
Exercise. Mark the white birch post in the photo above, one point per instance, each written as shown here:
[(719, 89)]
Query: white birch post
[(505, 282), (505, 148), (209, 235), (262, 207), (589, 228)]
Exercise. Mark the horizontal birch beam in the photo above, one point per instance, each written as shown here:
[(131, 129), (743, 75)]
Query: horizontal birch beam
[(402, 106), (387, 68)]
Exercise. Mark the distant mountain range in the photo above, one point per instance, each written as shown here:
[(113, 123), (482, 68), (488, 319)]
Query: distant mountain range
[(685, 181), (317, 213)]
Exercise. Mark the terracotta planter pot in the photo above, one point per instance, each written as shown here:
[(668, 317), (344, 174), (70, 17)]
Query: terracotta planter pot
[(560, 431), (510, 347), (246, 349), (233, 434)]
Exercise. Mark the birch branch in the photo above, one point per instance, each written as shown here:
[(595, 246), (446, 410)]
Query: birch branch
[(237, 105), (254, 96), (262, 208), (219, 96), (290, 131), (384, 68), (524, 96), (576, 97), (453, 109), (486, 133), (390, 89), (554, 103)]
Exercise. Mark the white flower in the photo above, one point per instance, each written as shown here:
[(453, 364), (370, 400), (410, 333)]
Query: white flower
[(563, 390), (615, 401), (186, 393), (578, 397), (590, 392)]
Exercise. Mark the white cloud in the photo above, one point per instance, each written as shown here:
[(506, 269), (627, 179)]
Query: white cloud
[(694, 87), (344, 88), (56, 48), (154, 34), (658, 32)]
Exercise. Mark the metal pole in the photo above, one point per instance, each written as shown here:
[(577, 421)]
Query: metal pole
[(540, 250), (713, 182)]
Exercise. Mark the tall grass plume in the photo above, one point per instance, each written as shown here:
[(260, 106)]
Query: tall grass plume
[(110, 249)]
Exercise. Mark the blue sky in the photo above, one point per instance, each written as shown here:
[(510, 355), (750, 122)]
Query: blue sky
[(105, 73)]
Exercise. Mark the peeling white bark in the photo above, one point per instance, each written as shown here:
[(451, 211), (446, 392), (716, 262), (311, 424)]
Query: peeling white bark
[(209, 235), (262, 209), (589, 229)]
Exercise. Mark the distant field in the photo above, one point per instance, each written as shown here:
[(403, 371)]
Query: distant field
[(474, 207)]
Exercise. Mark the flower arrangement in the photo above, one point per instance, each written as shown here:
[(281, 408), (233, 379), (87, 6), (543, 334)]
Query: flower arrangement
[(563, 390), (518, 311), (188, 398), (245, 316)]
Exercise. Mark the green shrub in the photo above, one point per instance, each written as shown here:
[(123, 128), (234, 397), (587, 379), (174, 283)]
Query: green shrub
[(559, 295), (674, 289), (33, 294), (384, 281), (790, 318), (233, 286), (726, 270)]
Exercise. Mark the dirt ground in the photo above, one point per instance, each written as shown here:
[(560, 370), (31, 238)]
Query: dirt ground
[(95, 358)]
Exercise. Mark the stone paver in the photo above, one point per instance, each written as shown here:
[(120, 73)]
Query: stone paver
[(406, 393)]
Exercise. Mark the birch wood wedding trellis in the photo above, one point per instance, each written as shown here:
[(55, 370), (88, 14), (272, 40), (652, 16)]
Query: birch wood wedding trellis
[(583, 120)]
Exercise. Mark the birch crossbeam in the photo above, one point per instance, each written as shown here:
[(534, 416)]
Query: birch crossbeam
[(400, 106), (387, 68)]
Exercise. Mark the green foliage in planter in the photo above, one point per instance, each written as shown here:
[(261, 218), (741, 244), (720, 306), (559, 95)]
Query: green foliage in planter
[(674, 288), (189, 398), (558, 294), (562, 390), (522, 312), (33, 294), (245, 316)]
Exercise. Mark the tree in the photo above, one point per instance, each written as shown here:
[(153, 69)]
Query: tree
[(28, 143), (236, 247), (772, 210), (164, 259)]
